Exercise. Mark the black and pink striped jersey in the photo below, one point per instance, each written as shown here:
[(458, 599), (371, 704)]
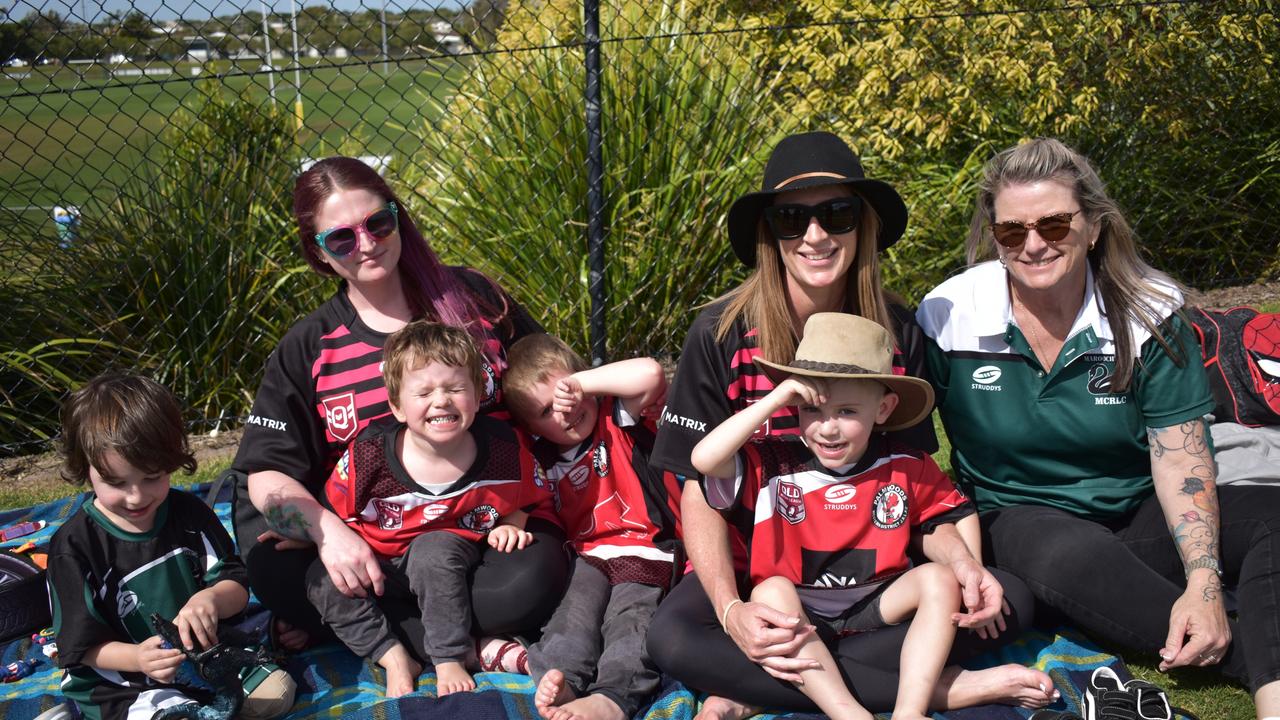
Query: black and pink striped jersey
[(717, 378), (323, 384)]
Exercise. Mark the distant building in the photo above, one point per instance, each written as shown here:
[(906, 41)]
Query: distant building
[(447, 38)]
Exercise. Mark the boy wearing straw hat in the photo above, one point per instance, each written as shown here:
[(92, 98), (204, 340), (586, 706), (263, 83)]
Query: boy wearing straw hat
[(834, 514)]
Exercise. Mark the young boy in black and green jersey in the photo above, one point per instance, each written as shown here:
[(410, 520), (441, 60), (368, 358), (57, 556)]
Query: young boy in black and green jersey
[(137, 547)]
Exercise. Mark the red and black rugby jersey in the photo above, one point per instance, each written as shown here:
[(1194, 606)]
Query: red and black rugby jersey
[(716, 379), (619, 514), (323, 384), (836, 533), (373, 493)]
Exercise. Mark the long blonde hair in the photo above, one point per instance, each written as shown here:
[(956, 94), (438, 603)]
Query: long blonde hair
[(761, 300), (1132, 291)]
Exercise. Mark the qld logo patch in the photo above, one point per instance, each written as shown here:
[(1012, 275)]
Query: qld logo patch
[(481, 519), (789, 500), (390, 515), (340, 416), (889, 509), (600, 459)]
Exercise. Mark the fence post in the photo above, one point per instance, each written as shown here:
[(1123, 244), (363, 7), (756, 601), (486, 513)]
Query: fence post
[(595, 181)]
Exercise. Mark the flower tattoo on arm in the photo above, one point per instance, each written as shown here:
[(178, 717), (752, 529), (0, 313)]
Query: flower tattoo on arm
[(1196, 530)]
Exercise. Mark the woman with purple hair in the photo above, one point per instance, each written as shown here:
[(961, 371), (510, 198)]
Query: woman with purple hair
[(323, 384)]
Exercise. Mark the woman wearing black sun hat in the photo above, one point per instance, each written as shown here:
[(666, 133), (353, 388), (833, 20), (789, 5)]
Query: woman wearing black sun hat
[(805, 235)]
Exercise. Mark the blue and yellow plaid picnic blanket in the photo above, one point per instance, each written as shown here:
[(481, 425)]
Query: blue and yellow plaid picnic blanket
[(334, 683)]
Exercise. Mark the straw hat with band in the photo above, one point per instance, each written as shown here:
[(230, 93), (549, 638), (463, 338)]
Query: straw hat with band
[(849, 347), (812, 160)]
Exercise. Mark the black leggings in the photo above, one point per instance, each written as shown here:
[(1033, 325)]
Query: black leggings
[(1119, 579), (687, 642), (511, 593)]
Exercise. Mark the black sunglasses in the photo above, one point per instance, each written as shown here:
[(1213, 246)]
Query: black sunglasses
[(836, 216)]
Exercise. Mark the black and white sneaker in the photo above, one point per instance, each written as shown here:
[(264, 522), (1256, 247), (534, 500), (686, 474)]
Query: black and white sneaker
[(1106, 698), (1152, 702)]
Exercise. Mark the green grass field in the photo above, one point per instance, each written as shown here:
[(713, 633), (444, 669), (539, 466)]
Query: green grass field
[(64, 136)]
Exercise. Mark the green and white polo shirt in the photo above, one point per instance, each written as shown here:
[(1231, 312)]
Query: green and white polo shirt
[(1023, 434)]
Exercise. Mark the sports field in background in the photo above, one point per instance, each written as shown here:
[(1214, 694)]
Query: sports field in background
[(66, 131)]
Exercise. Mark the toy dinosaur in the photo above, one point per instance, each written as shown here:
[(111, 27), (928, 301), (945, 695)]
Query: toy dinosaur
[(220, 666)]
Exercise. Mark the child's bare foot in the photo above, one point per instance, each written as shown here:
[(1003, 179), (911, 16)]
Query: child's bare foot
[(288, 637), (591, 707), (452, 677), (552, 692), (1010, 684), (402, 671), (721, 708)]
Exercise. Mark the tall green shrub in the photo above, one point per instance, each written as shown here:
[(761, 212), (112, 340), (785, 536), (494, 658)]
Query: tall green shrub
[(187, 274), (685, 127)]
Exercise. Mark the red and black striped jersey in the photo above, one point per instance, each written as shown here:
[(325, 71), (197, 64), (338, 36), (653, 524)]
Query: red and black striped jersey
[(323, 385), (717, 378), (373, 493), (620, 515), (836, 535)]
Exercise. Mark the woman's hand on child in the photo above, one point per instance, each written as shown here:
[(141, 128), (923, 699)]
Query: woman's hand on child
[(197, 621), (350, 561), (983, 596), (568, 395), (506, 538), (770, 638), (156, 661)]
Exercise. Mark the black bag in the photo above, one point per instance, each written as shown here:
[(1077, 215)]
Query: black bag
[(1242, 357)]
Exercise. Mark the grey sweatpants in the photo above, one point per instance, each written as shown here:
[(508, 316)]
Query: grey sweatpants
[(437, 566), (597, 639)]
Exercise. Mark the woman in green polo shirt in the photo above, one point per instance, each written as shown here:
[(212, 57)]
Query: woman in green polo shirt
[(1074, 395)]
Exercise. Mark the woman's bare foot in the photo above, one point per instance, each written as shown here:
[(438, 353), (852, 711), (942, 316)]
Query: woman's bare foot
[(552, 692), (721, 708), (1007, 685), (591, 707), (402, 671), (452, 677), (289, 637)]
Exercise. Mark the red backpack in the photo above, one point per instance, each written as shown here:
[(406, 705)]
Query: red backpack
[(1242, 357)]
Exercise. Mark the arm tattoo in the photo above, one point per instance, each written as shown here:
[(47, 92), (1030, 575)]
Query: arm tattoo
[(287, 520), (1196, 532)]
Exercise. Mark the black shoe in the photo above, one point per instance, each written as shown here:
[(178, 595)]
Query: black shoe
[(1106, 698)]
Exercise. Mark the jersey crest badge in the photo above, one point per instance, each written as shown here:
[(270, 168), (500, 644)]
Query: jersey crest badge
[(481, 519), (433, 512), (579, 476), (390, 515), (790, 502), (600, 459), (340, 416), (126, 602), (889, 509)]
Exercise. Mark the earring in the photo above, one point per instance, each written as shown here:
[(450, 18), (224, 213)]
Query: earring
[(1003, 264), (1092, 244)]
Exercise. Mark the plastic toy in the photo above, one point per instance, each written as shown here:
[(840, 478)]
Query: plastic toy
[(15, 671), (44, 637)]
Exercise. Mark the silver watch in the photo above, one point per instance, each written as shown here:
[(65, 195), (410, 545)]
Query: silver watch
[(1205, 561)]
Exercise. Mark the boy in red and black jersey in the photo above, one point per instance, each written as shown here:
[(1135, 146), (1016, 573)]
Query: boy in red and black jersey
[(832, 517), (424, 489), (620, 516)]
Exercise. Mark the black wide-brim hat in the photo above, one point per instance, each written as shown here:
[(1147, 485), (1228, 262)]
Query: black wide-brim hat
[(812, 160)]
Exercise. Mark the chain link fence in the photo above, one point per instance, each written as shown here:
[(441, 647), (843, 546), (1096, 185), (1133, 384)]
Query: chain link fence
[(149, 151)]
